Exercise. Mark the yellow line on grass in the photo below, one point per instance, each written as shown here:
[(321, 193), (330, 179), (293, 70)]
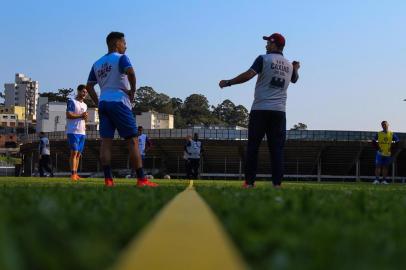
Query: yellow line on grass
[(184, 235)]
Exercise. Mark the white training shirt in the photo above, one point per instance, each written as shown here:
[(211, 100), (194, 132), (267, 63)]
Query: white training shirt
[(142, 142), (109, 73), (274, 75), (78, 125), (194, 149)]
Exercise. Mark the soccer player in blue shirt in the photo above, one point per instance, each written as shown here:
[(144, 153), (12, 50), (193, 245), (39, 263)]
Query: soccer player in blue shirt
[(115, 76)]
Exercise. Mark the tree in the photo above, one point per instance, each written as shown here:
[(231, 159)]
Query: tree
[(299, 126), (162, 103), (147, 99), (177, 104), (239, 116), (61, 96), (144, 98), (196, 111), (230, 114), (224, 110)]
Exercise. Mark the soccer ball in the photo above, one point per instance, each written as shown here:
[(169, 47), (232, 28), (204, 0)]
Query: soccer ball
[(167, 176), (149, 176)]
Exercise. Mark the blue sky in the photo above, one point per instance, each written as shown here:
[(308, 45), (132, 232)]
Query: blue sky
[(353, 55)]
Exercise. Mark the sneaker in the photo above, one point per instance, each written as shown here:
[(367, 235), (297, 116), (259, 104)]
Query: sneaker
[(144, 182), (246, 185), (277, 186), (384, 182), (108, 182), (376, 182)]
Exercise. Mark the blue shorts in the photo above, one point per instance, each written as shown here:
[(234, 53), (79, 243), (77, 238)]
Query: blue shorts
[(382, 160), (115, 115), (76, 142)]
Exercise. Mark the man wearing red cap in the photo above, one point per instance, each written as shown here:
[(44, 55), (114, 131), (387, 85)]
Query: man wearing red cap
[(267, 116)]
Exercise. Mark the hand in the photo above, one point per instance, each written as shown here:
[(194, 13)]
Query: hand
[(296, 65), (84, 116), (224, 83)]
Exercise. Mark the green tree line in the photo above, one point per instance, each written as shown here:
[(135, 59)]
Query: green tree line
[(194, 110)]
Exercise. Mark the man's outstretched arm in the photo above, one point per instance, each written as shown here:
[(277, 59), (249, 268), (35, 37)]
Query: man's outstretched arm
[(242, 78)]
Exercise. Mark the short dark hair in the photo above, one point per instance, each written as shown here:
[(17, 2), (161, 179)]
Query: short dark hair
[(384, 121), (42, 133), (140, 127), (81, 87), (113, 37)]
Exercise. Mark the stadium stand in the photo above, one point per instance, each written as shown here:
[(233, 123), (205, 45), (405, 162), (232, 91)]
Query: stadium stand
[(309, 155)]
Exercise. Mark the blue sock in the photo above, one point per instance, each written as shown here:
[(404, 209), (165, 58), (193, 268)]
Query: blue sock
[(140, 173), (107, 172)]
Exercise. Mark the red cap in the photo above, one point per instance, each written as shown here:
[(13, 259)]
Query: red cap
[(276, 38)]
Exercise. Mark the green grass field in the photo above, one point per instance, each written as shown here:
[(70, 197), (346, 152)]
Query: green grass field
[(54, 224), (314, 226)]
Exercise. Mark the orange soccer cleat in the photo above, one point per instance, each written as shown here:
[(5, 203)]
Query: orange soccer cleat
[(75, 177), (144, 182), (247, 186), (108, 182)]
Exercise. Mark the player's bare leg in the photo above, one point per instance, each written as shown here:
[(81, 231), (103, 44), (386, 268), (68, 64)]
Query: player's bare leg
[(384, 174), (377, 175), (105, 159), (78, 156), (73, 165)]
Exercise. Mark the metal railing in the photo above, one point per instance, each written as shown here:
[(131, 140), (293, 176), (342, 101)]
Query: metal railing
[(229, 134)]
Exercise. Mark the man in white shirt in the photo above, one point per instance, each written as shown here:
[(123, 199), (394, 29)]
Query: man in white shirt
[(115, 75), (144, 144), (76, 116), (194, 150)]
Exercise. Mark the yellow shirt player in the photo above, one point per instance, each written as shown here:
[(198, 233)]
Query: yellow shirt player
[(383, 141)]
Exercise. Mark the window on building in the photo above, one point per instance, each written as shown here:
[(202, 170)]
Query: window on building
[(5, 117), (12, 124), (12, 117), (4, 124)]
